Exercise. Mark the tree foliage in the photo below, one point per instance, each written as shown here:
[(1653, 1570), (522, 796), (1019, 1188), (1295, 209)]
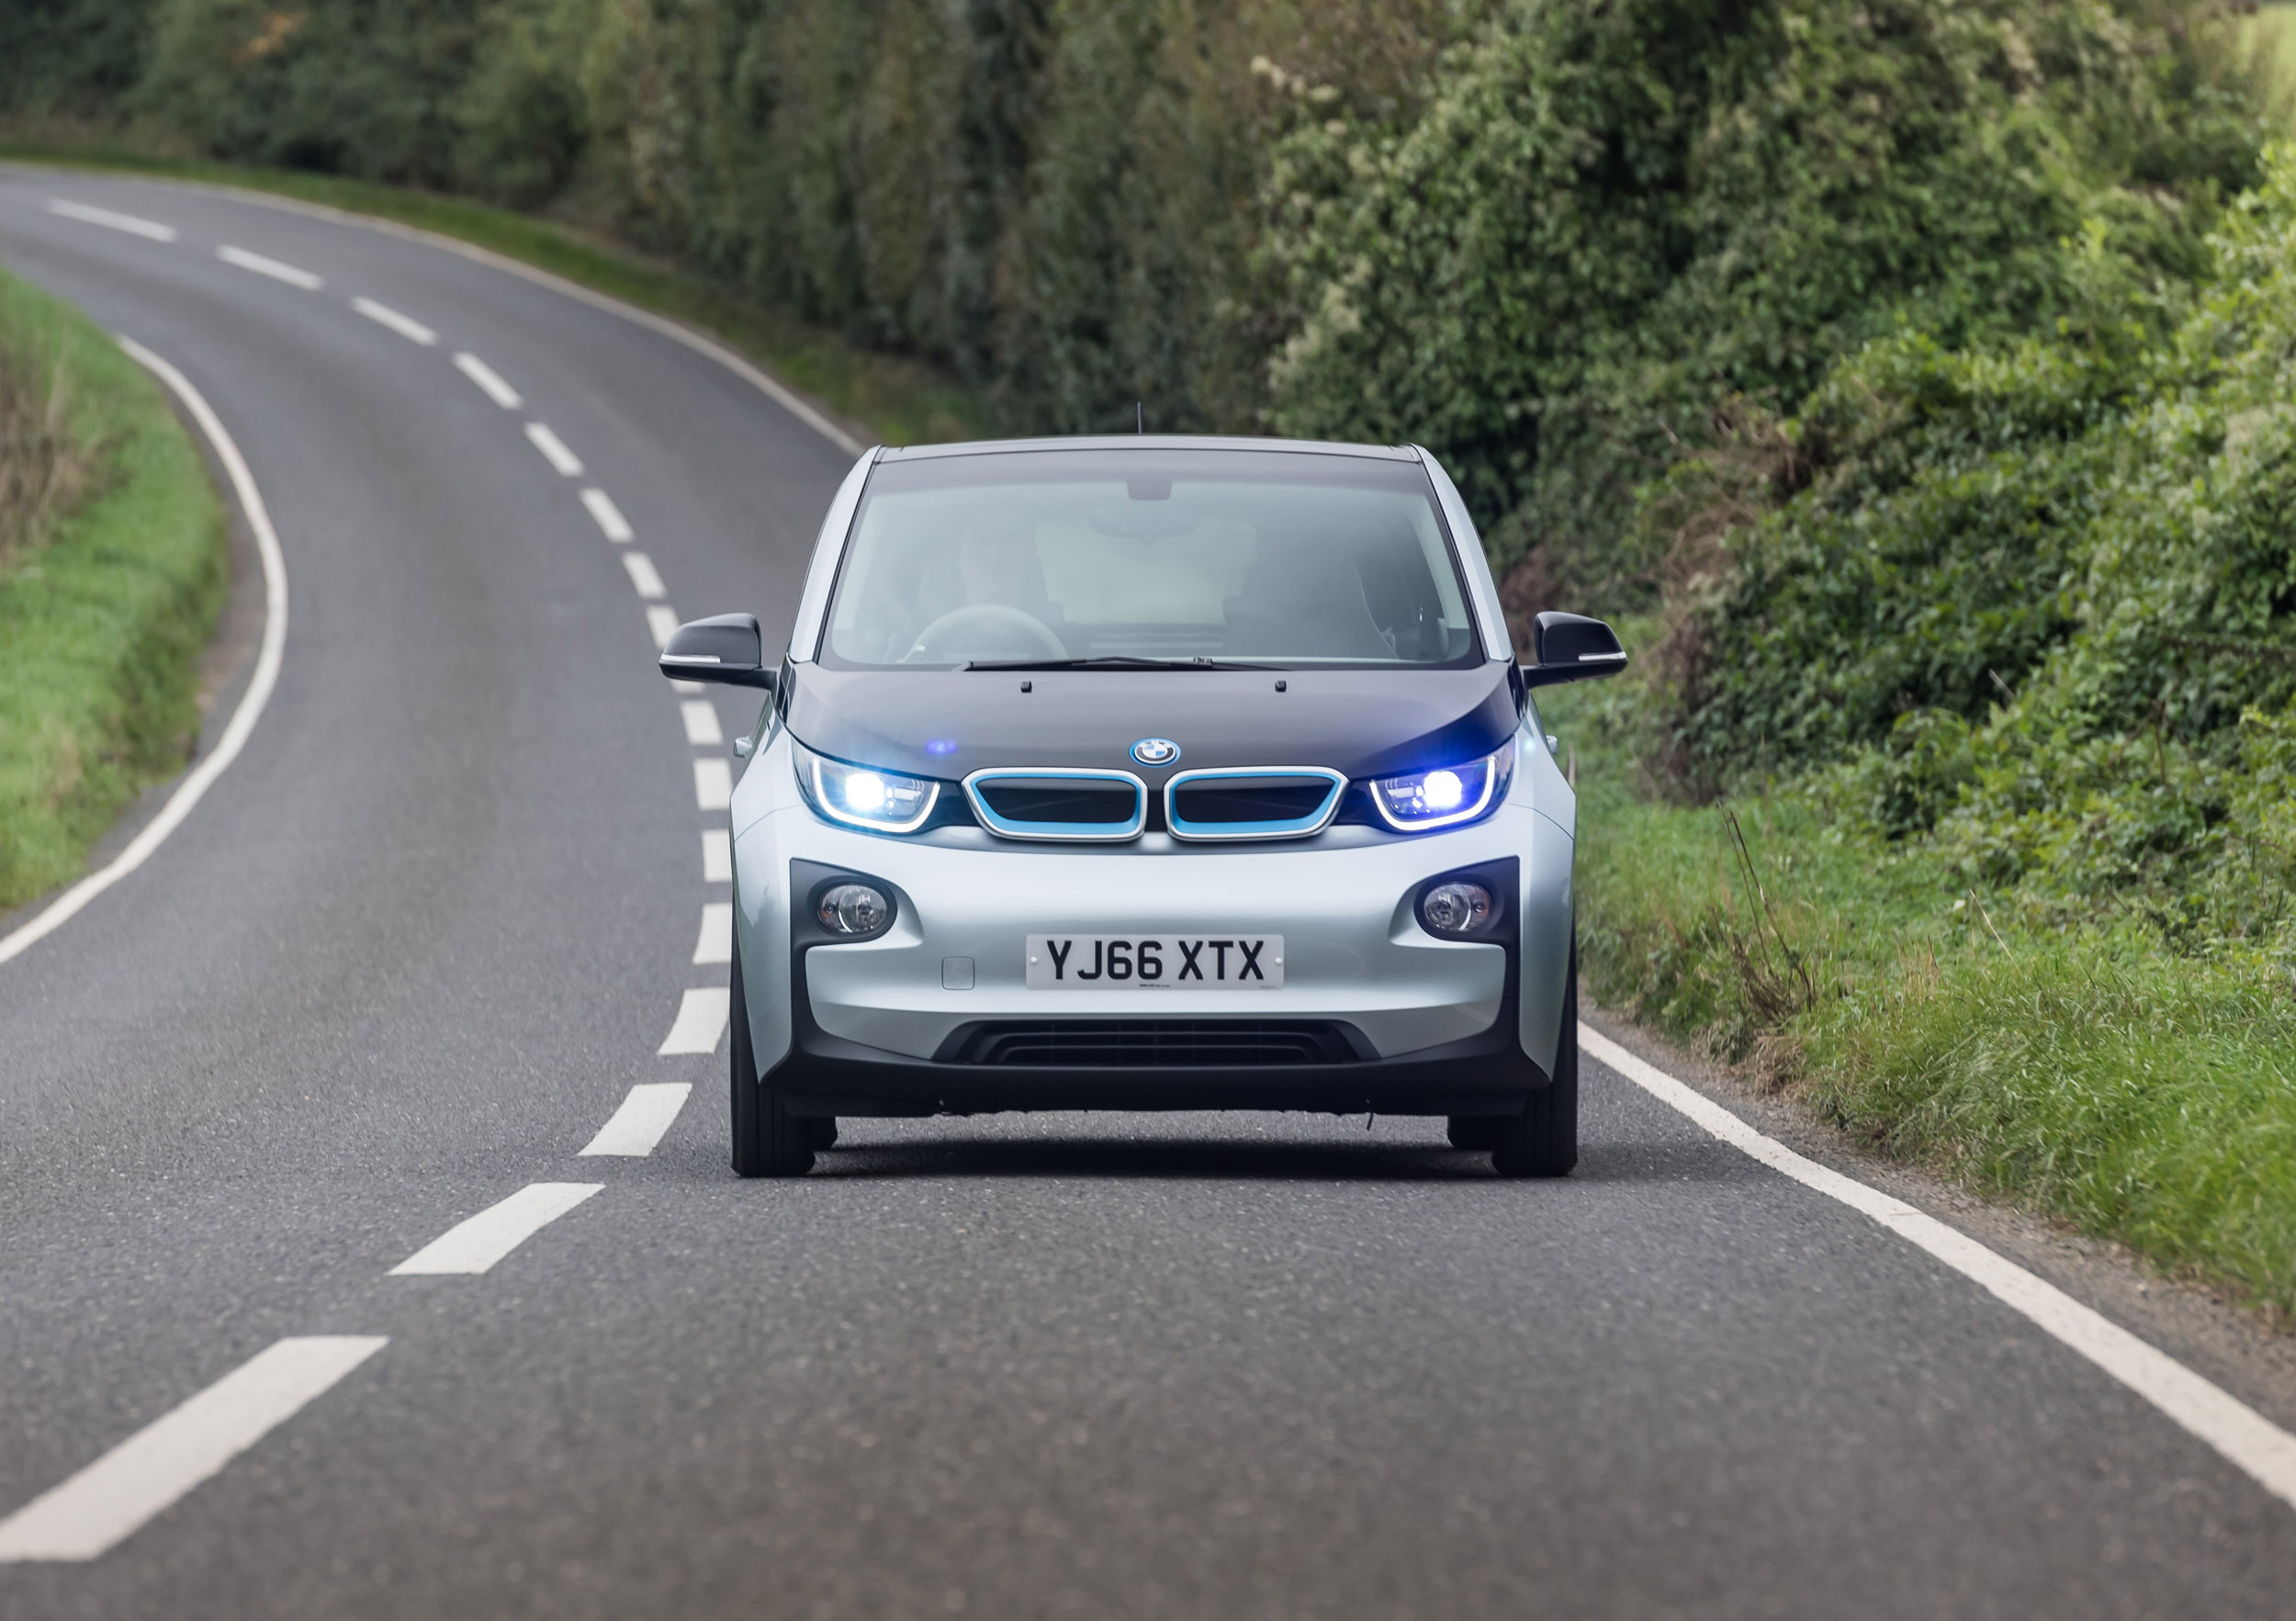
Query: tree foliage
[(1922, 360)]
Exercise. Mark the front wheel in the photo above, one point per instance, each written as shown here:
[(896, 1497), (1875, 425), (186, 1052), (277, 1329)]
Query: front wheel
[(767, 1140), (1543, 1140)]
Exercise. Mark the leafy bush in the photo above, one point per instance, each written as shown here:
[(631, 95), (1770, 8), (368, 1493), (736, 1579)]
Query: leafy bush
[(2047, 619), (1551, 241), (1609, 219)]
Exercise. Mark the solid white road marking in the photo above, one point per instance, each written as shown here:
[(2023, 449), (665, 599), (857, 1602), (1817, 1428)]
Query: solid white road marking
[(637, 1126), (643, 575), (718, 856), (702, 727), (713, 785), (701, 1021), (475, 1245), (226, 749), (609, 515), (106, 1503), (406, 326), (88, 214), (2247, 1439), (554, 450), (717, 944), (663, 622), (272, 268), (490, 381)]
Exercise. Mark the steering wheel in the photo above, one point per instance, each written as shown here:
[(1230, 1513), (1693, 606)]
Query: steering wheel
[(975, 623)]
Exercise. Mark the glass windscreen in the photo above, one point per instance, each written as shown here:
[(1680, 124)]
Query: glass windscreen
[(1256, 557)]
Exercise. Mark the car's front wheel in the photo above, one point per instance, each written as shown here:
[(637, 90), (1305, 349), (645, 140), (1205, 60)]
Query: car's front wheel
[(1543, 1140), (767, 1140)]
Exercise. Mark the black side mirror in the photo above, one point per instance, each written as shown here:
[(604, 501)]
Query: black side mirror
[(728, 649), (1571, 647)]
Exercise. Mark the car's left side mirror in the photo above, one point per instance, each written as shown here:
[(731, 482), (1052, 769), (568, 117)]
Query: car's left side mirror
[(1571, 647), (728, 649)]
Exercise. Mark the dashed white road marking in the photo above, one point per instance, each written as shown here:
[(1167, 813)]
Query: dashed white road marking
[(490, 381), (291, 275), (644, 577), (718, 856), (477, 1244), (106, 1503), (662, 620), (554, 450), (713, 785), (701, 1021), (406, 326), (779, 392), (637, 1126), (702, 729), (2246, 1438), (610, 519), (202, 776), (88, 214), (717, 944)]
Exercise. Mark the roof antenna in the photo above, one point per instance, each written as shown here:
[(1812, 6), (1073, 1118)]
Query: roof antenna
[(1139, 417)]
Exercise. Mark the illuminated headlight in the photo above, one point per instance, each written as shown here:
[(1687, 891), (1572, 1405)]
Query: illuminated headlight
[(859, 796), (1444, 797)]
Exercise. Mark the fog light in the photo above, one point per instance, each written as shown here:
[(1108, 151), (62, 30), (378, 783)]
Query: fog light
[(853, 908), (1455, 909)]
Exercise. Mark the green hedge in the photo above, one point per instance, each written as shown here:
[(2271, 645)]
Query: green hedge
[(103, 623), (1551, 241)]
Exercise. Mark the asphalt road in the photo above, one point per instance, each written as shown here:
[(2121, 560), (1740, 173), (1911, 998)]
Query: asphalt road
[(418, 944)]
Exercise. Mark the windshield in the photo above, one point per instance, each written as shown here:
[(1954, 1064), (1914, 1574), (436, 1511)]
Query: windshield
[(1260, 557)]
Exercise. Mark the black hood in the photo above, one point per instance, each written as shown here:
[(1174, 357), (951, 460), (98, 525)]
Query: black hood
[(949, 724)]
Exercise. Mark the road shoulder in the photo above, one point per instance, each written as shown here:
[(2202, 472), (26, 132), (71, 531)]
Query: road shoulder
[(2214, 1336)]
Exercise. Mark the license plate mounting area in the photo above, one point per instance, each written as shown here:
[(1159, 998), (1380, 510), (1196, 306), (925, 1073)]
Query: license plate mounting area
[(1208, 962)]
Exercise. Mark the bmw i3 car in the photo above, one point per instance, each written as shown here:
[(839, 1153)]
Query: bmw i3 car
[(1150, 773)]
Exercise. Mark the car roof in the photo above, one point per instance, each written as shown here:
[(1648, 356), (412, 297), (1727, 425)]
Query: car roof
[(1398, 453)]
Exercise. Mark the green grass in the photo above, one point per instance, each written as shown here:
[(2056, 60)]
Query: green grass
[(2270, 32), (900, 400), (105, 614), (2080, 1071)]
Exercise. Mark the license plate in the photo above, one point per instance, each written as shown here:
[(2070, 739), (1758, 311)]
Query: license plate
[(1156, 961)]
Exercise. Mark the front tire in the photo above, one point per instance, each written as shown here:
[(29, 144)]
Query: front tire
[(767, 1140), (1543, 1140)]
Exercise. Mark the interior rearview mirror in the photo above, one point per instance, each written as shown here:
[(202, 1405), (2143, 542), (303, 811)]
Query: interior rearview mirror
[(1571, 647), (728, 649)]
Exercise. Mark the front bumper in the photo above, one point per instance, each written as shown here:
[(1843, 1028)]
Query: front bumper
[(1398, 1021)]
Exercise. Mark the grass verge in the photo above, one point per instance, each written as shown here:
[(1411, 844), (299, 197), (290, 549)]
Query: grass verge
[(902, 400), (2081, 1070), (110, 583)]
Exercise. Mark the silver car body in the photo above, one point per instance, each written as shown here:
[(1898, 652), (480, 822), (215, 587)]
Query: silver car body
[(967, 899)]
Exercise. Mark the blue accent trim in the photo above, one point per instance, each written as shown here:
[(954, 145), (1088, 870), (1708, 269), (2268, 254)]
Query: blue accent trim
[(1066, 832), (1287, 828)]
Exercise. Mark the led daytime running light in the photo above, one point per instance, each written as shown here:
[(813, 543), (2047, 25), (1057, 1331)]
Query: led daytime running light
[(862, 796), (1443, 797)]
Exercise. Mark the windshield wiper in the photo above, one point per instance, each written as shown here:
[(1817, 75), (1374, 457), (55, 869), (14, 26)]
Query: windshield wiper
[(1111, 661)]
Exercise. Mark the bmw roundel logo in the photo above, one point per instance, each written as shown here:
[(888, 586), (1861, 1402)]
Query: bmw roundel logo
[(1155, 752)]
